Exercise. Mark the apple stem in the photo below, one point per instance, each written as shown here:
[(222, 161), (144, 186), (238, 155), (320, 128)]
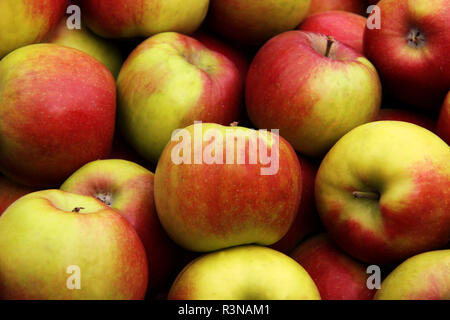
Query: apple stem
[(330, 41), (366, 195), (77, 209)]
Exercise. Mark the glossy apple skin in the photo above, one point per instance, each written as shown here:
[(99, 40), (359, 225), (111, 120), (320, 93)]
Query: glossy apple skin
[(97, 239), (307, 220), (10, 192), (84, 40), (345, 27), (143, 18), (412, 214), (254, 22), (206, 207), (423, 277), (24, 22), (128, 189), (418, 76), (336, 275), (407, 116), (355, 6), (57, 112), (236, 273), (168, 82), (292, 86), (443, 126)]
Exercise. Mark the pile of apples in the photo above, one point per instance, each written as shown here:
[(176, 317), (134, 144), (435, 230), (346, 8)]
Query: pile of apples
[(93, 205)]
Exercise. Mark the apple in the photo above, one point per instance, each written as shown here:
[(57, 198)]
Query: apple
[(383, 192), (423, 277), (127, 188), (25, 22), (10, 192), (410, 50), (244, 273), (346, 27), (57, 112), (213, 203), (144, 18), (443, 126), (336, 275), (355, 6), (307, 220), (407, 116), (312, 88), (168, 82), (50, 238), (83, 39), (254, 22)]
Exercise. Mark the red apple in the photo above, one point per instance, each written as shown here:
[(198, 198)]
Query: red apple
[(10, 192), (443, 126), (312, 88), (407, 116), (336, 275), (254, 22), (307, 220), (356, 6), (345, 27), (57, 113), (411, 50)]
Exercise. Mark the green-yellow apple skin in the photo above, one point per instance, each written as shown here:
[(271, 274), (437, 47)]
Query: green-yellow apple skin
[(210, 206), (44, 233), (128, 189), (314, 99), (425, 276), (84, 40), (24, 22), (244, 273), (142, 18), (383, 191), (168, 82), (254, 22)]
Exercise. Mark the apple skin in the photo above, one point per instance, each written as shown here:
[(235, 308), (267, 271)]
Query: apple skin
[(345, 27), (84, 40), (443, 126), (336, 275), (423, 277), (144, 18), (73, 102), (97, 239), (254, 22), (128, 189), (285, 89), (237, 273), (406, 213), (206, 207), (418, 75), (10, 192), (307, 220), (168, 82), (25, 22), (407, 116), (355, 6)]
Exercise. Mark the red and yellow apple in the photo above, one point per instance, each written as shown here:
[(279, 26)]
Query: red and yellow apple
[(143, 18), (57, 112), (355, 6), (312, 88), (244, 273), (46, 236), (206, 203), (336, 275), (168, 82), (24, 22), (10, 192), (383, 192), (410, 50), (443, 125), (254, 22)]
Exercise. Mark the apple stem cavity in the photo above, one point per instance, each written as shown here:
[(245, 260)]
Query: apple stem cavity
[(366, 195), (77, 209), (330, 41)]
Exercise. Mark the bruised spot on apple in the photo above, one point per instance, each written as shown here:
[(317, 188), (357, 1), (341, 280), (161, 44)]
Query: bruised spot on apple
[(376, 191)]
